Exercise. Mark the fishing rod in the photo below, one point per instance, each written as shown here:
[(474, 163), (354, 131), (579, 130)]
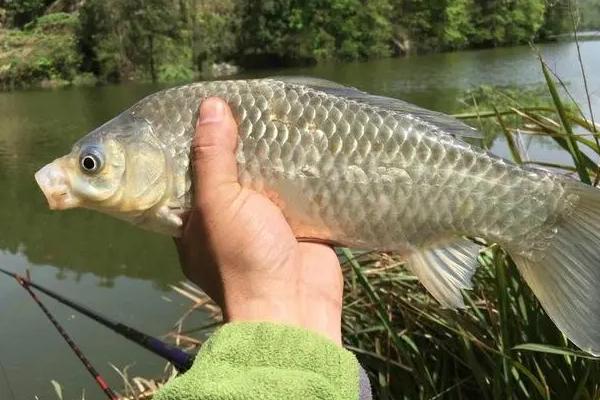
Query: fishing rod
[(180, 359), (24, 282)]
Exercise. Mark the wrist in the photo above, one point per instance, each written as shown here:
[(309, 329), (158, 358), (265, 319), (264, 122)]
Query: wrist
[(312, 314)]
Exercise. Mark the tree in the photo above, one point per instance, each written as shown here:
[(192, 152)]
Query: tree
[(148, 23), (21, 12), (123, 37), (490, 18), (424, 21), (525, 20), (589, 10), (94, 23), (215, 28), (458, 26), (556, 19), (315, 29)]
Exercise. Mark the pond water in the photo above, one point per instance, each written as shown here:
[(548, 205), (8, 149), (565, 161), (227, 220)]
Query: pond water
[(125, 273)]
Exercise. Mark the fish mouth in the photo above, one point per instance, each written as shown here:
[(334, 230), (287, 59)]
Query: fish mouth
[(54, 183)]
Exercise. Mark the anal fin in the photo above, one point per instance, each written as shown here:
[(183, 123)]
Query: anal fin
[(445, 270)]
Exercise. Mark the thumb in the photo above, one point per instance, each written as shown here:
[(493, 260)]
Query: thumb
[(213, 147)]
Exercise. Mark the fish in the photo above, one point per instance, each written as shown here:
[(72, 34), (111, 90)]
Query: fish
[(358, 170)]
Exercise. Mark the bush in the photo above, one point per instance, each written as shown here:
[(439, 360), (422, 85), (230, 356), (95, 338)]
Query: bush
[(55, 23), (293, 30), (133, 39), (175, 73), (215, 35), (21, 12), (45, 51), (85, 79)]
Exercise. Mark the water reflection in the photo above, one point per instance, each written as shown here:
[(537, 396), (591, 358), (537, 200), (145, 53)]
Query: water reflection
[(36, 127)]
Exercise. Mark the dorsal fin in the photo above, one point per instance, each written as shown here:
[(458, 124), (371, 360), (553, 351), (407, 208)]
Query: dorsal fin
[(443, 122)]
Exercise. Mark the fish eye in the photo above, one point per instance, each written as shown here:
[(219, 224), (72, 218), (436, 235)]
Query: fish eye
[(90, 162)]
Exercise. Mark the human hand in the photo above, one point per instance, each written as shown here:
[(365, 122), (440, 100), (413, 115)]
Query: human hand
[(239, 249)]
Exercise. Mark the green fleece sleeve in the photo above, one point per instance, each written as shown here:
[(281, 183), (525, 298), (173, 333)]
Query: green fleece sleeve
[(259, 360)]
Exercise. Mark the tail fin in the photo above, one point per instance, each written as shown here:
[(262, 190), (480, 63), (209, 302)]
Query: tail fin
[(567, 280)]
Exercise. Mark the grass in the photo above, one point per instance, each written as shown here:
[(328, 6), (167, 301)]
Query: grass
[(502, 346)]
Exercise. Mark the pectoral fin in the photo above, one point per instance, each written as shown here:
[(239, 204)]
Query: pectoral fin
[(444, 271)]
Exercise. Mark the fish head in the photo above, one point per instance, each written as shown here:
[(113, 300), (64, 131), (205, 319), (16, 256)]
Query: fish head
[(119, 168)]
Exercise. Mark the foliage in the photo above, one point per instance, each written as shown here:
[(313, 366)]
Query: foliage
[(501, 346), (149, 27), (590, 14), (177, 39), (457, 28), (421, 19), (122, 39), (92, 31), (85, 79), (479, 103), (294, 30), (175, 72), (45, 51), (54, 23), (526, 18), (557, 19), (21, 12), (215, 32), (455, 24)]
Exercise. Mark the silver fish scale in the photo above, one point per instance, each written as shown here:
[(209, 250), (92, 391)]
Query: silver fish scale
[(361, 175)]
